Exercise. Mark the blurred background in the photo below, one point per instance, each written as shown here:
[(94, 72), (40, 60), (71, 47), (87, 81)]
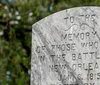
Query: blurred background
[(16, 19)]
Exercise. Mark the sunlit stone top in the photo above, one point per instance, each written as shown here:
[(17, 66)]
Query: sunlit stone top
[(66, 48)]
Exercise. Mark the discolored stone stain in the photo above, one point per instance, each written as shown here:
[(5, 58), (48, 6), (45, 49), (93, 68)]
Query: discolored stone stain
[(52, 61)]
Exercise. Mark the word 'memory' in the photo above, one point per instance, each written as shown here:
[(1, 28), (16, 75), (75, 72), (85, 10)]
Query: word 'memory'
[(80, 36)]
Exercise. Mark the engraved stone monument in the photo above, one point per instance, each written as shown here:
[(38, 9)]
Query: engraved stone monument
[(66, 48)]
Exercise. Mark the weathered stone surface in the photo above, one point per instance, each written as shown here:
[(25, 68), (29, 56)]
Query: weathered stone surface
[(66, 48)]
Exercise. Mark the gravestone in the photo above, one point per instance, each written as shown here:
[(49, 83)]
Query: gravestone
[(66, 48)]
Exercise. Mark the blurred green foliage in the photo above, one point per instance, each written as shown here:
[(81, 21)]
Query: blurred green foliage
[(16, 19)]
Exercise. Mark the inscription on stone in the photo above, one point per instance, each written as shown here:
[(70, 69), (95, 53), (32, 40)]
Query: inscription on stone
[(66, 48)]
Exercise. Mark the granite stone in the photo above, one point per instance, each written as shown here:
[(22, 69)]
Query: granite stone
[(66, 48)]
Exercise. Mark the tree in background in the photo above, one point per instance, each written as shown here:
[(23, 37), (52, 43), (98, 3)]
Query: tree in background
[(16, 19)]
